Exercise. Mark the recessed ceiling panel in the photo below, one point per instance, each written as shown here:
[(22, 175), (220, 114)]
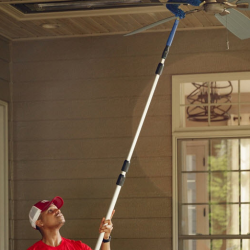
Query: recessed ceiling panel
[(62, 6)]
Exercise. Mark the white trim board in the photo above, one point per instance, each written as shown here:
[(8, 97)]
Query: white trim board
[(196, 132), (4, 200)]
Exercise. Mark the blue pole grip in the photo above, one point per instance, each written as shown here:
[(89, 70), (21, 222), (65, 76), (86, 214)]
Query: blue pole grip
[(172, 33)]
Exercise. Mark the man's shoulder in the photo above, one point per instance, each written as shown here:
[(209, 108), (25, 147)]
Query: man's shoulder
[(35, 246)]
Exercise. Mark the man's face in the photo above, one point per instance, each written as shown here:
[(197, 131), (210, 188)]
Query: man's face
[(51, 218)]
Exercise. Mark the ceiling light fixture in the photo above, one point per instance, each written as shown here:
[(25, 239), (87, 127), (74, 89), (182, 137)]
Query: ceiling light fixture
[(51, 25)]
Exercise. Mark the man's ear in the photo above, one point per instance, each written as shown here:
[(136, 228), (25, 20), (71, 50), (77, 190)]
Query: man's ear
[(39, 223)]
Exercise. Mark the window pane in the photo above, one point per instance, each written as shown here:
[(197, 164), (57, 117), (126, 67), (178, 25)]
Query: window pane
[(245, 165), (195, 188), (234, 115), (233, 154), (195, 220), (244, 90), (224, 154), (245, 186), (220, 114), (245, 219), (223, 244), (245, 114), (189, 92), (221, 91), (246, 244), (196, 245), (245, 154), (194, 116), (195, 155), (225, 219), (224, 115), (235, 93), (224, 187), (190, 163)]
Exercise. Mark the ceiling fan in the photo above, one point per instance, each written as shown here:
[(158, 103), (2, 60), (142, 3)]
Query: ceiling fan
[(225, 11)]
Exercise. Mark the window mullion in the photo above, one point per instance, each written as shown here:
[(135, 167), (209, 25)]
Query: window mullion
[(239, 115), (209, 191), (209, 106), (239, 146), (209, 185)]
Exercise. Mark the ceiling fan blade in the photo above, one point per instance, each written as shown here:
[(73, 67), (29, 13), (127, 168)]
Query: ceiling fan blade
[(159, 22), (242, 2), (157, 3), (237, 23), (151, 25), (241, 6)]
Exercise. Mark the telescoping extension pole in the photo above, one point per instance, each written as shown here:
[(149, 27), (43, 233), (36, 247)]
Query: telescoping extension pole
[(125, 167)]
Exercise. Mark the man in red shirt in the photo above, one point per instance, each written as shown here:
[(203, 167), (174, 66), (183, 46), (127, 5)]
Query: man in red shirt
[(46, 217)]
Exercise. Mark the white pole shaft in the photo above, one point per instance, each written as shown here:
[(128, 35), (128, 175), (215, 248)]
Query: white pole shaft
[(118, 188), (144, 115), (125, 166)]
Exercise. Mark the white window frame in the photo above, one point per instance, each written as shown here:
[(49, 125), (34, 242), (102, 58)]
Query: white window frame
[(198, 132), (176, 82), (4, 199)]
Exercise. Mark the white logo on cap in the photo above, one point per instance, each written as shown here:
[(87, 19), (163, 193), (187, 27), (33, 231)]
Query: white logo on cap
[(44, 201)]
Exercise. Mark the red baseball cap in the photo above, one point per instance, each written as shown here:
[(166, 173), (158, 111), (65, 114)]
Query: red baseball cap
[(41, 206)]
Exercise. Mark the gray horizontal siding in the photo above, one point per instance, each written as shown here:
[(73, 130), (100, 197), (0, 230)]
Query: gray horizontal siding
[(79, 109), (155, 229), (92, 168), (140, 45), (89, 88), (4, 50), (4, 70), (90, 148), (90, 188), (90, 128), (127, 208), (74, 121), (4, 90)]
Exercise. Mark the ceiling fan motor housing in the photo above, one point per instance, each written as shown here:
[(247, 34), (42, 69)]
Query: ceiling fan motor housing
[(214, 8)]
